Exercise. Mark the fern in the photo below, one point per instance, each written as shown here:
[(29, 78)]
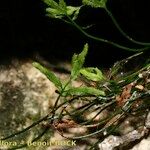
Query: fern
[(95, 3), (77, 62)]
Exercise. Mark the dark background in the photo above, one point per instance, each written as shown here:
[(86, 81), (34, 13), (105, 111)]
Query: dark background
[(25, 31)]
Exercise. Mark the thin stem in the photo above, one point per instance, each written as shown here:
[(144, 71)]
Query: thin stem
[(99, 131), (55, 107), (103, 108), (122, 32), (57, 100), (45, 118), (100, 140), (28, 128), (104, 40), (131, 77)]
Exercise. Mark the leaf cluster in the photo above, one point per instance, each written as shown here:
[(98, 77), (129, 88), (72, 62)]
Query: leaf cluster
[(92, 74), (67, 13), (95, 3), (60, 9), (113, 100)]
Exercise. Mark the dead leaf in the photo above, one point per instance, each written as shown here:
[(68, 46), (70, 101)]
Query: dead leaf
[(126, 94), (64, 124)]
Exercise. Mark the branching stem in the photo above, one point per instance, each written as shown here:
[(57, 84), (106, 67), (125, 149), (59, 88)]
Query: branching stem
[(104, 40), (122, 32)]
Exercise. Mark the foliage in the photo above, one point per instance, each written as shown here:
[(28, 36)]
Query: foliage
[(95, 3), (112, 97), (61, 10), (119, 96), (77, 62), (93, 74), (50, 75)]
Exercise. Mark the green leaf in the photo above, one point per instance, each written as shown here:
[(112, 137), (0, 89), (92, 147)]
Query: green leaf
[(91, 73), (54, 13), (60, 10), (73, 11), (95, 3), (50, 75), (52, 4), (62, 4), (83, 91), (56, 10), (77, 62)]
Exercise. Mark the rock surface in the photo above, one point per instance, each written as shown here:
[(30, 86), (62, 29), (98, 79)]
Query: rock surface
[(143, 145), (25, 96)]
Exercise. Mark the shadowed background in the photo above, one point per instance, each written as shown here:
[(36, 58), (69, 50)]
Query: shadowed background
[(25, 30)]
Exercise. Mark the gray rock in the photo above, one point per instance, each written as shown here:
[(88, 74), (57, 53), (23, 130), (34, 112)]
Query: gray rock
[(25, 96), (143, 145)]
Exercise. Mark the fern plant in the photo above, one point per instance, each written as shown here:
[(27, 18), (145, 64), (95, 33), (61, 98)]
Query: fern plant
[(112, 97), (119, 97), (60, 10)]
